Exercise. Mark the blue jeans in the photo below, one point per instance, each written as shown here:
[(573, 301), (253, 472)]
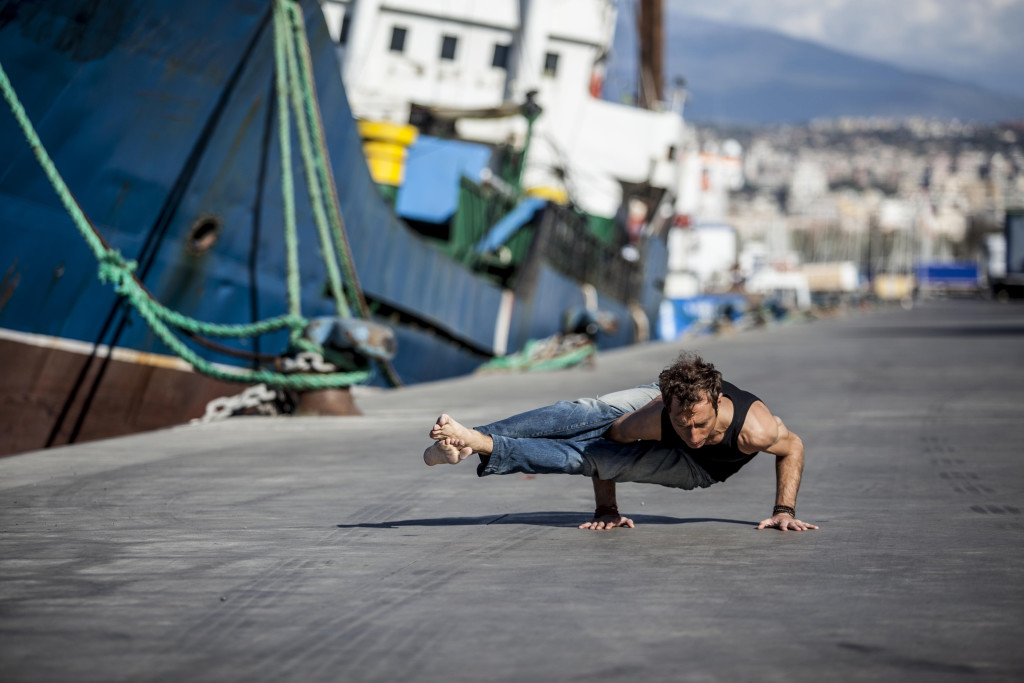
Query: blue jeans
[(566, 438)]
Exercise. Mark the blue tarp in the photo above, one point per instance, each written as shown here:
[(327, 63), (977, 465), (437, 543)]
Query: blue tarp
[(430, 191), (507, 226), (679, 316), (947, 274)]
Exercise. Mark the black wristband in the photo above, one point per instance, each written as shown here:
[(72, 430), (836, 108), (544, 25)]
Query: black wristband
[(784, 508), (603, 510)]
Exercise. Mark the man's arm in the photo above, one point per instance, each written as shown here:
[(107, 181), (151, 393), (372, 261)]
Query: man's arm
[(762, 431), (606, 516), (643, 424)]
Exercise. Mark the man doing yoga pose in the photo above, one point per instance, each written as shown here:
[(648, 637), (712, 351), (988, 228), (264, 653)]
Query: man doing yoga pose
[(690, 429)]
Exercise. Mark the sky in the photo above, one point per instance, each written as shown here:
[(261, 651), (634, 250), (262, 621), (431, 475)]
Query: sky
[(978, 41)]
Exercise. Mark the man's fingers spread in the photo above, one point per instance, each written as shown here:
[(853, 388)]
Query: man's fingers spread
[(629, 523), (786, 525)]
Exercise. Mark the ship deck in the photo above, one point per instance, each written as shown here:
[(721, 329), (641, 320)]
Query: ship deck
[(272, 549)]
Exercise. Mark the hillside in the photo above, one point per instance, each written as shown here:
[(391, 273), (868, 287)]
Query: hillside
[(737, 74)]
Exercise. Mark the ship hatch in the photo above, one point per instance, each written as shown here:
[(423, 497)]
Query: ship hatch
[(203, 234)]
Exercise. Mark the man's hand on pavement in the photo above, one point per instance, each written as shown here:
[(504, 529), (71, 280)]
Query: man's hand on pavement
[(607, 522), (784, 522)]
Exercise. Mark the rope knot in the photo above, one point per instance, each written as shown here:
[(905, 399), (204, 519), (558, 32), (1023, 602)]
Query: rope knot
[(116, 269)]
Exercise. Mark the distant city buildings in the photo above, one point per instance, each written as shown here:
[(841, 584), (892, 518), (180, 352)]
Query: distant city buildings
[(852, 189)]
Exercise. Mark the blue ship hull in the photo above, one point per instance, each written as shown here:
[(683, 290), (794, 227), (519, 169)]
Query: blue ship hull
[(160, 116)]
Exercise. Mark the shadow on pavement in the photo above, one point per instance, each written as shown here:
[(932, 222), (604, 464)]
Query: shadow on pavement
[(554, 519)]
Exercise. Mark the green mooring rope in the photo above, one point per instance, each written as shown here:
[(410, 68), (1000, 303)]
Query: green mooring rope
[(323, 165), (297, 91), (119, 271), (287, 183)]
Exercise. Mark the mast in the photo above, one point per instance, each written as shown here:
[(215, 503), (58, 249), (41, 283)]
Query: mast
[(652, 58), (527, 58)]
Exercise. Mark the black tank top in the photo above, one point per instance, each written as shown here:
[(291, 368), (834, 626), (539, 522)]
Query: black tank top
[(723, 459)]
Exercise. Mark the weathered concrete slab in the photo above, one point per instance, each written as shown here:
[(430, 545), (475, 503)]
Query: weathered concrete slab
[(322, 549)]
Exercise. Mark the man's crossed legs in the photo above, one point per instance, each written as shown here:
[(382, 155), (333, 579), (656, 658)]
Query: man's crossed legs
[(566, 438)]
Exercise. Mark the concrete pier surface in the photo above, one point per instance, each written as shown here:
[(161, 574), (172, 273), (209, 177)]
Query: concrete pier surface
[(316, 549)]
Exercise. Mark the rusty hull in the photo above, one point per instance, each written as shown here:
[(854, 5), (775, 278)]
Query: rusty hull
[(130, 397)]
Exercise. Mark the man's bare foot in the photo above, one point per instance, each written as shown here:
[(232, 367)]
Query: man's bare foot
[(446, 451), (447, 428)]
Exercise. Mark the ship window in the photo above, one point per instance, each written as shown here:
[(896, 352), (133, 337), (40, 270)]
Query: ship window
[(551, 64), (398, 39), (448, 44), (500, 56), (346, 22)]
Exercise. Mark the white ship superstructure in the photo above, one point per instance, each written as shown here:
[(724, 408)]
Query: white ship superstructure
[(465, 55)]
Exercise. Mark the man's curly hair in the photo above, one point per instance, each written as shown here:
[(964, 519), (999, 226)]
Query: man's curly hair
[(689, 381)]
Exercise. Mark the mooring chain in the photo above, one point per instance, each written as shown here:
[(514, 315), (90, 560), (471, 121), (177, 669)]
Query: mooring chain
[(258, 396), (307, 361)]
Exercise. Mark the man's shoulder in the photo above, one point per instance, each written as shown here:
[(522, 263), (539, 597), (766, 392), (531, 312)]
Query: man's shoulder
[(760, 429), (731, 390)]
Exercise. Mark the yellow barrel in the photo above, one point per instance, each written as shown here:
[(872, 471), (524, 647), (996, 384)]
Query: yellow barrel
[(893, 287), (384, 150), (386, 161), (384, 145), (552, 194), (388, 132)]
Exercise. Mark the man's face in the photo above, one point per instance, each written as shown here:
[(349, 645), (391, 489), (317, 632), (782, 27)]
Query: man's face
[(695, 425)]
